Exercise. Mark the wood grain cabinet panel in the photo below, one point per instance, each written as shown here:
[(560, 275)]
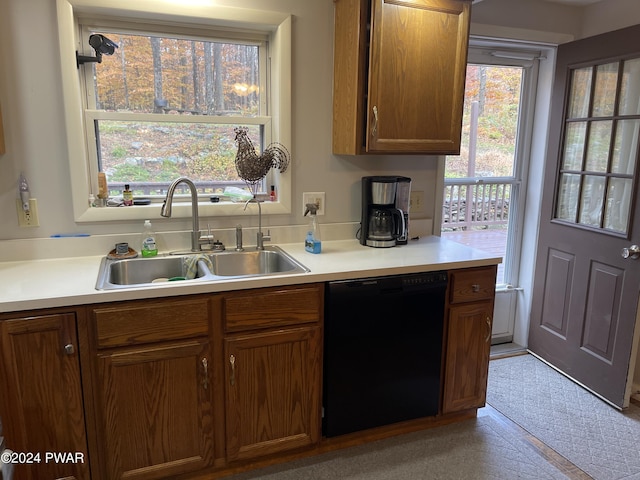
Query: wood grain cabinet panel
[(156, 410), (472, 284), (153, 381), (469, 324), (467, 358), (42, 408), (273, 392), (272, 307), (399, 75), (151, 321), (272, 369)]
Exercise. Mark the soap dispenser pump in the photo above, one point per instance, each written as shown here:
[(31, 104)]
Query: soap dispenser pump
[(312, 242)]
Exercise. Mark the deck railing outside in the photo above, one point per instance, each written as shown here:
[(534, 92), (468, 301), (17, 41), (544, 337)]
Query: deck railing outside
[(160, 188), (476, 202)]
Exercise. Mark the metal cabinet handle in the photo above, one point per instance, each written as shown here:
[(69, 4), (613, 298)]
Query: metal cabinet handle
[(475, 287), (69, 349), (205, 379), (374, 127), (232, 361), (489, 329), (631, 252)]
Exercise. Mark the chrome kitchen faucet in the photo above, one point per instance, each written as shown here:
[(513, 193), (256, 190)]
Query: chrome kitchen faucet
[(165, 211)]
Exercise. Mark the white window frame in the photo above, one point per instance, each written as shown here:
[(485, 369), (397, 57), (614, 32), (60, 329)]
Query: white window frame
[(518, 54), (510, 305), (508, 54), (84, 178)]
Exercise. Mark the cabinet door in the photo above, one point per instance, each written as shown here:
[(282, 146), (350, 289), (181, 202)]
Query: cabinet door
[(155, 404), (42, 405), (417, 73), (273, 391), (467, 357)]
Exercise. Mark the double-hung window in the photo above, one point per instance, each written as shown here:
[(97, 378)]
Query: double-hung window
[(166, 102), (163, 107)]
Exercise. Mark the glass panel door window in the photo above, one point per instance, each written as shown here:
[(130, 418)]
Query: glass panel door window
[(600, 148)]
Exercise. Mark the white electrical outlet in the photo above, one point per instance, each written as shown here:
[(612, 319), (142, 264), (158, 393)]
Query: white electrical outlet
[(416, 201), (30, 218), (314, 197)]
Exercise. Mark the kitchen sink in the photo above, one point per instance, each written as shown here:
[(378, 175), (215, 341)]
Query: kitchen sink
[(218, 266), (255, 262), (143, 271)]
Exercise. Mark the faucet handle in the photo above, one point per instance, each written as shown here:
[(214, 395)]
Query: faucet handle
[(260, 239)]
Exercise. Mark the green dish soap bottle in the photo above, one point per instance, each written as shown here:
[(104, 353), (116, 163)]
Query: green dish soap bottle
[(312, 242), (149, 245)]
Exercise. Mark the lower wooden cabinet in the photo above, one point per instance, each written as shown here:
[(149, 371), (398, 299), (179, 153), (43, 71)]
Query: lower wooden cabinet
[(273, 399), (272, 370), (467, 358), (468, 344), (41, 406), (153, 389), (157, 410), (164, 369)]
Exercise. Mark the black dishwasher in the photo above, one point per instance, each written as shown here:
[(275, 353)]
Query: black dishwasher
[(383, 350)]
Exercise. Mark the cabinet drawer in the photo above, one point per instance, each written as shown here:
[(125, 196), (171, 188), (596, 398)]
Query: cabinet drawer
[(473, 284), (151, 321), (272, 307)]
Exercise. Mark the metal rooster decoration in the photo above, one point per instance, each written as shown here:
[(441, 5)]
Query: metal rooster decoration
[(251, 167)]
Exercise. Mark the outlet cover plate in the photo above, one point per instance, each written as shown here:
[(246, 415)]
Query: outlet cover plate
[(28, 219), (416, 201), (314, 197)]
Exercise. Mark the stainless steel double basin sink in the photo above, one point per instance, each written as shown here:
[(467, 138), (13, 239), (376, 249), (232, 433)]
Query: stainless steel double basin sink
[(196, 267)]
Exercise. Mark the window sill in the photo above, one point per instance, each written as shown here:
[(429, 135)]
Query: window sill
[(180, 210)]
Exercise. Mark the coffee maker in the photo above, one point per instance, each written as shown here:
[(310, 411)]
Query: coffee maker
[(385, 211)]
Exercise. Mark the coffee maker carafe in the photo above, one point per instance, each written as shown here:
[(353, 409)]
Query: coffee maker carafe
[(385, 211)]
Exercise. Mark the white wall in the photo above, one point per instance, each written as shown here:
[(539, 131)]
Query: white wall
[(609, 15), (30, 96), (533, 20), (547, 21)]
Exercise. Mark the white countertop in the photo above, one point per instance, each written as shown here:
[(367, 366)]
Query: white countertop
[(45, 283)]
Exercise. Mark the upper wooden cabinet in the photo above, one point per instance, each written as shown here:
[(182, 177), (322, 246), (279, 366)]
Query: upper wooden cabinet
[(399, 75)]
